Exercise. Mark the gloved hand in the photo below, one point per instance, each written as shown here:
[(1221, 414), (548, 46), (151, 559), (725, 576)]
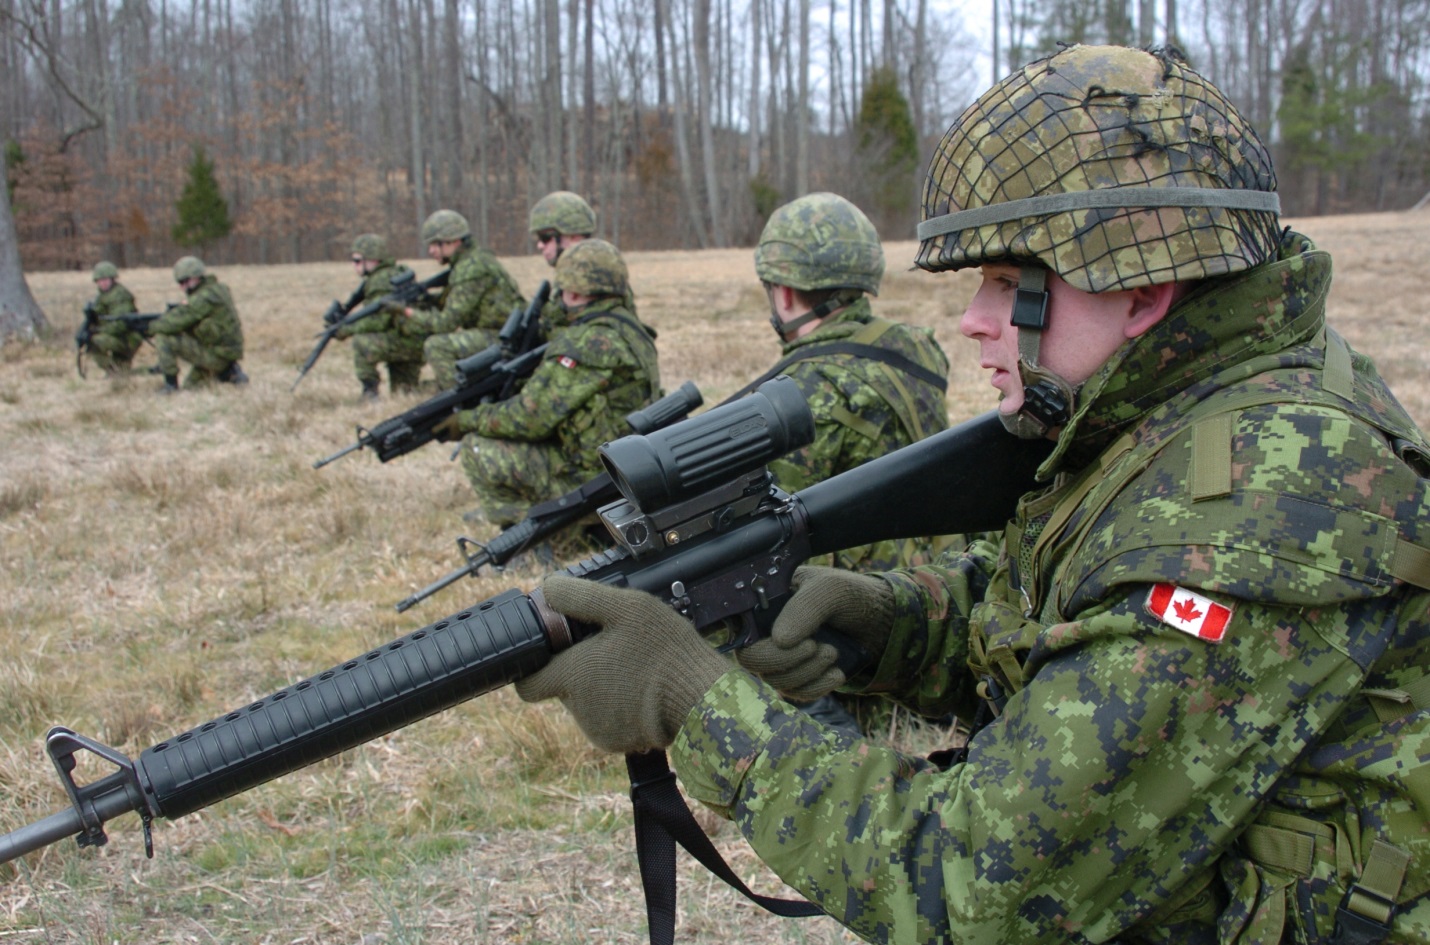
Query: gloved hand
[(630, 686), (449, 429), (857, 606), (332, 316)]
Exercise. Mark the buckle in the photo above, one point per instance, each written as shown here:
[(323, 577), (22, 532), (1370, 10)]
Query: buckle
[(1356, 928)]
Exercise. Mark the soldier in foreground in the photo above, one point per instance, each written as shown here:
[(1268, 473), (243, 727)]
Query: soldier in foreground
[(1194, 663), (598, 367), (479, 296), (112, 344), (204, 331), (383, 337)]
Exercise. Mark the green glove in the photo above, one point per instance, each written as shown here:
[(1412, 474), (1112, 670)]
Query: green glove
[(857, 606), (630, 686), (449, 429)]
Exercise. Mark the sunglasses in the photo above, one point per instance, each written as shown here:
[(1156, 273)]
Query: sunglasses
[(543, 238), (357, 260)]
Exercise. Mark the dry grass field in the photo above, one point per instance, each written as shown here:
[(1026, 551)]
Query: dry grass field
[(164, 560)]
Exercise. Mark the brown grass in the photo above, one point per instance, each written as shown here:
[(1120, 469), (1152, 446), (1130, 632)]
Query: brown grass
[(163, 560)]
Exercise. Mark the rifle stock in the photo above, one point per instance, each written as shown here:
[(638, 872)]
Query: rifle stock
[(725, 547)]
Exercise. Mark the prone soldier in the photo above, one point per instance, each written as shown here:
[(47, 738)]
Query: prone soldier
[(473, 307), (1194, 662), (205, 331)]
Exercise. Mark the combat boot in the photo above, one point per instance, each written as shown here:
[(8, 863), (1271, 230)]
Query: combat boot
[(171, 384), (369, 391), (233, 374)]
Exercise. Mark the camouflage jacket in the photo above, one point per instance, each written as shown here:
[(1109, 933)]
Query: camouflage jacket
[(597, 369), (480, 293), (863, 408), (375, 285), (209, 315), (117, 301), (1162, 767)]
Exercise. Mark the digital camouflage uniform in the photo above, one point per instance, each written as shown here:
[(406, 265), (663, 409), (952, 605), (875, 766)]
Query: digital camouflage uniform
[(862, 409), (1144, 775), (542, 442), (204, 331), (381, 338), (479, 296), (111, 345), (1113, 795)]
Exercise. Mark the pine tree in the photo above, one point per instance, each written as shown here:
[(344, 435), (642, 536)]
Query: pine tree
[(888, 147), (202, 209)]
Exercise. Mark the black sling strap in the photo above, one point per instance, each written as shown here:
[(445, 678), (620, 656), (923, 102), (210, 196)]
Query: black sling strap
[(662, 820), (891, 358)]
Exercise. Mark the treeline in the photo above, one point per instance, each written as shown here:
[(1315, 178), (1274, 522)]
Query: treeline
[(684, 121)]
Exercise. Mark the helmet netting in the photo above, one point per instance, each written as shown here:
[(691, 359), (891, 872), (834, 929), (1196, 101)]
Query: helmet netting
[(1094, 118)]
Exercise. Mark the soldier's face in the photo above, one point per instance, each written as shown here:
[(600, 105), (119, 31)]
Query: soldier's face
[(443, 251), (104, 284), (1083, 329)]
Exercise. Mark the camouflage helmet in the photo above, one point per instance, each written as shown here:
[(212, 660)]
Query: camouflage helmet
[(445, 226), (370, 246), (105, 270), (188, 267), (820, 241), (562, 212), (1113, 167), (592, 267)]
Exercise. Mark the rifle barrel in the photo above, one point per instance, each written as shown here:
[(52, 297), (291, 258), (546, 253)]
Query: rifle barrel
[(338, 455)]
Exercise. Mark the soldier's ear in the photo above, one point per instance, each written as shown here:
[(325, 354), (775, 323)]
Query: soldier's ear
[(1148, 305)]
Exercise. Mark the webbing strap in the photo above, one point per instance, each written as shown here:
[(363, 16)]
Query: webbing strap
[(1374, 895), (1411, 563), (892, 358), (1392, 704), (1211, 457), (662, 820)]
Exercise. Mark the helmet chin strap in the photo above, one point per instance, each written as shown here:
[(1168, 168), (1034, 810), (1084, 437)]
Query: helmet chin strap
[(1047, 398), (786, 330)]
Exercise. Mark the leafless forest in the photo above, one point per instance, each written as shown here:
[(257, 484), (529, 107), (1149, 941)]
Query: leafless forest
[(684, 121)]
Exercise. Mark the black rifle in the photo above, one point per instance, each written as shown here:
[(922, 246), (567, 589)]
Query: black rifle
[(84, 335), (701, 525), (554, 515), (405, 291), (136, 321), (489, 375)]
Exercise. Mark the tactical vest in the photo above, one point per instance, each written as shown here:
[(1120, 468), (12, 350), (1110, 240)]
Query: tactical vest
[(1342, 856)]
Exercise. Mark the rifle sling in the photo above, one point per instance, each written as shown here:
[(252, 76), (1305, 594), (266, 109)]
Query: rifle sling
[(662, 820), (891, 358)]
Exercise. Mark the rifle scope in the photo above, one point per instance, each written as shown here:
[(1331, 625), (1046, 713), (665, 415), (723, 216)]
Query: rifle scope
[(666, 467)]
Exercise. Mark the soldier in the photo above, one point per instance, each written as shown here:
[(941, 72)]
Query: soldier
[(599, 367), (382, 337), (111, 344), (1196, 657), (872, 384), (204, 331), (474, 306), (557, 222)]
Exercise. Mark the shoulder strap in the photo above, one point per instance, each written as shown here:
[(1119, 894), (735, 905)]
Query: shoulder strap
[(662, 820), (855, 349)]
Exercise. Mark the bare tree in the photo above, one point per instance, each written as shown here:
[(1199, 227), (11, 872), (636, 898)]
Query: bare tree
[(20, 315)]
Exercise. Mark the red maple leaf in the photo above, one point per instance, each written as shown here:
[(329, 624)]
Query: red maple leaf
[(1186, 610)]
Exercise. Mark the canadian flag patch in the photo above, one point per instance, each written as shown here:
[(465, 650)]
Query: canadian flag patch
[(566, 361), (1189, 612)]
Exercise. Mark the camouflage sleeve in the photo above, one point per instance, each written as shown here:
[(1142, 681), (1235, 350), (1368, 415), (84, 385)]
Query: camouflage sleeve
[(470, 301), (182, 318), (1132, 759), (572, 372)]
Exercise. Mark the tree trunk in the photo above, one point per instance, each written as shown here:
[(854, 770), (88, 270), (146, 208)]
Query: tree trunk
[(21, 317)]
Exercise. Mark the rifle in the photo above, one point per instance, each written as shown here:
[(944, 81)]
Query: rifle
[(84, 335), (136, 321), (405, 291), (550, 517), (700, 525), (488, 375)]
